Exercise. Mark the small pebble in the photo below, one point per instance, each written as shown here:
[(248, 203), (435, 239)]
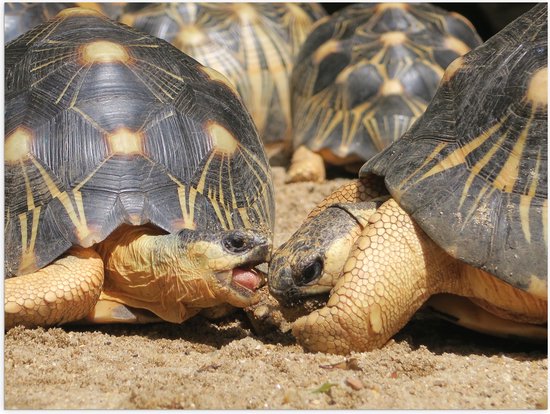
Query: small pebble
[(261, 312), (290, 396), (355, 383)]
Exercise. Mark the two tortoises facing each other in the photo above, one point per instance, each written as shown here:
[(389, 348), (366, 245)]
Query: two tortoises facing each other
[(363, 76), (135, 179), (457, 206)]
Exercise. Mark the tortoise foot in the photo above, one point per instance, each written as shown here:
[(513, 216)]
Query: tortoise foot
[(306, 165)]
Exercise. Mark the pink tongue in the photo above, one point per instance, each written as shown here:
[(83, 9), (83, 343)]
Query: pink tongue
[(247, 278)]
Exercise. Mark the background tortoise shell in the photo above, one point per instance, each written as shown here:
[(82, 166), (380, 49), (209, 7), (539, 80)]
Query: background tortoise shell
[(472, 171), (106, 125), (367, 72), (21, 17), (253, 44)]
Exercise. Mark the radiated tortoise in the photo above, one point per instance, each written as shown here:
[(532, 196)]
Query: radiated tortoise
[(363, 76), (132, 174), (456, 206)]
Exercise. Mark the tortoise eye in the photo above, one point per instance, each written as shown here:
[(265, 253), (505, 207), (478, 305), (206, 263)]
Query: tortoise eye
[(235, 242), (311, 272)]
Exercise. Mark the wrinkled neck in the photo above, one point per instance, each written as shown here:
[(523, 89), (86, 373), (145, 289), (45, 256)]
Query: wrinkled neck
[(131, 250), (147, 265)]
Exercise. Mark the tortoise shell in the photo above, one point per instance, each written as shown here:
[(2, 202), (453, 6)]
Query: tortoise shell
[(254, 45), (106, 125), (113, 10), (21, 17), (472, 171), (367, 72)]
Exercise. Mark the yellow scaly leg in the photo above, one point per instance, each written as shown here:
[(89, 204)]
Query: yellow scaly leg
[(64, 291), (391, 271)]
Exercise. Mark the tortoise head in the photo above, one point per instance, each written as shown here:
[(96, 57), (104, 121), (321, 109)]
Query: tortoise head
[(222, 263), (312, 260)]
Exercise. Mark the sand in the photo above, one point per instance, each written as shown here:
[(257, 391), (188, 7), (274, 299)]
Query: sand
[(204, 364)]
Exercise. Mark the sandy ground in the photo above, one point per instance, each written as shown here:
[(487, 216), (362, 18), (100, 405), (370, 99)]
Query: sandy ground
[(213, 365)]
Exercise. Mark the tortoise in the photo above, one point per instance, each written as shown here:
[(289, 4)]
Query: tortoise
[(21, 17), (137, 188), (252, 44), (455, 210), (363, 76)]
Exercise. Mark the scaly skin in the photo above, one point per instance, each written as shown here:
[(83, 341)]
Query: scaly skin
[(311, 261), (393, 268), (385, 281), (176, 275), (66, 290), (364, 189), (173, 276), (323, 242)]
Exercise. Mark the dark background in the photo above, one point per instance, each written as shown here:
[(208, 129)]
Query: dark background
[(488, 18)]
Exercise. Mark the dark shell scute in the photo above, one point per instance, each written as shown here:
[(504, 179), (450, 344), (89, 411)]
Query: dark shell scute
[(129, 130), (472, 171), (359, 62)]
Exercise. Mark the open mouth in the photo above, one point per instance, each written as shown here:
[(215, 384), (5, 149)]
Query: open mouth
[(247, 280), (244, 280)]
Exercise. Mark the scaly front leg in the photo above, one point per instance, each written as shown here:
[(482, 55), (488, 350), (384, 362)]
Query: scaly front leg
[(64, 291), (392, 269)]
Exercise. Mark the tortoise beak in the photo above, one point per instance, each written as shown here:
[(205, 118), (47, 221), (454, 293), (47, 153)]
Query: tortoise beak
[(281, 283), (251, 249)]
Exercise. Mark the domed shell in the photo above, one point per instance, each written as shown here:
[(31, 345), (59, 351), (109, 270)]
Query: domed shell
[(113, 10), (21, 17), (253, 44), (106, 125), (367, 72), (472, 171)]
